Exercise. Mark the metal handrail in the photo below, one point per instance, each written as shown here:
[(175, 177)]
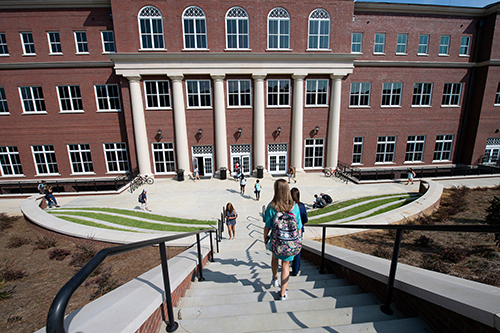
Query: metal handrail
[(55, 317), (386, 307)]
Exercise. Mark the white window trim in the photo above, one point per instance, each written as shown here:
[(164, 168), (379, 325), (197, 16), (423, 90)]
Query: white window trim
[(319, 29), (279, 105), (196, 48), (468, 47), (413, 152), (46, 164), (79, 151), (426, 46), (405, 44), (375, 44), (11, 165), (239, 94), (6, 45), (391, 96), (441, 152), (50, 43), (497, 94), (316, 93), (140, 34), (314, 145), (114, 149), (385, 150), (32, 99), (104, 44), (421, 95), (71, 98), (238, 29), (76, 41), (279, 31), (359, 95), (107, 97), (157, 96), (360, 43), (21, 34), (198, 93), (447, 54), (153, 150), (451, 94)]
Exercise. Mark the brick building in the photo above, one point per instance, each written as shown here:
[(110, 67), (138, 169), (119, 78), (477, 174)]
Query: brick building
[(96, 88)]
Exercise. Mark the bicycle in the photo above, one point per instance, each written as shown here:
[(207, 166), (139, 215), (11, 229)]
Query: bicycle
[(330, 172), (140, 180)]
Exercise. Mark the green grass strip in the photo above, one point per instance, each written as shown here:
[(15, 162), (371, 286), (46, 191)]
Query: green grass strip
[(387, 209), (91, 224)]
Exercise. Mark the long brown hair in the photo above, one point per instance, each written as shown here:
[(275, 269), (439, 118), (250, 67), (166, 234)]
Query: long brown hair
[(295, 195), (229, 207), (282, 200)]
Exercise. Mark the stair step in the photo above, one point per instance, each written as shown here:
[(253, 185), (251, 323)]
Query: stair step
[(216, 272)]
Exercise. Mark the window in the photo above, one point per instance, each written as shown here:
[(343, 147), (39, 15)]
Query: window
[(10, 161), (451, 94), (278, 23), (198, 93), (357, 150), (497, 96), (237, 29), (317, 92), (464, 46), (360, 94), (444, 45), (356, 42), (28, 44), (386, 145), (278, 92), (314, 153), (81, 158), (116, 156), (108, 42), (107, 97), (4, 108), (151, 28), (238, 92), (391, 93), (442, 150), (163, 154), (195, 31), (491, 151), (157, 94), (3, 45), (415, 148), (81, 42), (379, 43), (70, 98), (422, 94), (401, 44), (32, 99), (54, 42), (319, 30), (45, 159), (423, 44)]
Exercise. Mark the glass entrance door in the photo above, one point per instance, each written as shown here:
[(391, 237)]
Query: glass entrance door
[(278, 157)]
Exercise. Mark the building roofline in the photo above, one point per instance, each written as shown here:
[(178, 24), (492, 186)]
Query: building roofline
[(32, 4)]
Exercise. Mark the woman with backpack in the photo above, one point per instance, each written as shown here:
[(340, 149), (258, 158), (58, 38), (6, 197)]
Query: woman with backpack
[(282, 218), (303, 218)]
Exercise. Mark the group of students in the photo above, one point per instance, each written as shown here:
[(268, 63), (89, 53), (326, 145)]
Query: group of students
[(46, 190)]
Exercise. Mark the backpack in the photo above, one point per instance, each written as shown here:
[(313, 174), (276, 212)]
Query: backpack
[(285, 235), (327, 198), (140, 199)]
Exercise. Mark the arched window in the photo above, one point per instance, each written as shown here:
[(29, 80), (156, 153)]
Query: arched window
[(319, 30), (195, 29), (278, 22), (151, 28), (237, 28)]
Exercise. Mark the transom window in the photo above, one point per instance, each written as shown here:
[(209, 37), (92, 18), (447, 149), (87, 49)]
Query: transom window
[(108, 98), (278, 22), (442, 150), (54, 42), (401, 44), (82, 45), (151, 28), (32, 98), (415, 148), (81, 158), (360, 94), (28, 43), (70, 98), (116, 156), (491, 151), (45, 159), (379, 45), (423, 44), (3, 44), (238, 92), (317, 92), (163, 154), (237, 28), (451, 94), (356, 42), (357, 150), (314, 149), (278, 92), (319, 30), (444, 45), (464, 45), (497, 96), (198, 92), (10, 161), (157, 94), (195, 31), (391, 93), (386, 146), (422, 94), (4, 108), (108, 42)]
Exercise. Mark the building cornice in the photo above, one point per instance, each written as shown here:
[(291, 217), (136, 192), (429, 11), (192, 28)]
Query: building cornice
[(422, 9), (48, 65), (428, 64), (22, 4)]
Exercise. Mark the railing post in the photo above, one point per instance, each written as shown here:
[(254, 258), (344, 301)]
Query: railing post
[(200, 265), (211, 247), (322, 266), (386, 308), (172, 325)]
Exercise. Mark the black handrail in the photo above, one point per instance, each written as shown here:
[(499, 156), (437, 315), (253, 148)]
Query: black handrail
[(386, 307), (55, 317)]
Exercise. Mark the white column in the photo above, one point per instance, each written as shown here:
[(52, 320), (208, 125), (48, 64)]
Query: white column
[(180, 128), (334, 123), (259, 123), (297, 122), (139, 120), (220, 121)]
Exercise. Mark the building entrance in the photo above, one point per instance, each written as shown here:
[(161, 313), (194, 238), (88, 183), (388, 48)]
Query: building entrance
[(203, 158), (277, 158)]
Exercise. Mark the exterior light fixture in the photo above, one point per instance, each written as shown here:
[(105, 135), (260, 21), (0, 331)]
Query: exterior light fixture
[(158, 136), (200, 133), (316, 130), (239, 130), (278, 130)]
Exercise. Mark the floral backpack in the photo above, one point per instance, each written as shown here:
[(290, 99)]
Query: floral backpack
[(285, 235)]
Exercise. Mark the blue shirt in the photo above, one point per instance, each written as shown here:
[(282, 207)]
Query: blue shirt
[(268, 219)]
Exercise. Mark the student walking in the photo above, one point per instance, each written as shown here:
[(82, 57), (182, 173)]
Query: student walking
[(231, 216), (303, 217), (411, 174), (143, 200), (243, 182), (257, 190)]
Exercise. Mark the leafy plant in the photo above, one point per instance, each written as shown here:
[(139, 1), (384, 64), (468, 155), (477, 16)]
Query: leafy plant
[(59, 254), (45, 242), (84, 252), (7, 273), (382, 252), (103, 283), (6, 221), (454, 254), (18, 241), (4, 294), (493, 216), (423, 241)]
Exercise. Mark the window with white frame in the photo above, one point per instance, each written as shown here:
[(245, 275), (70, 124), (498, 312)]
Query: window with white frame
[(163, 155), (415, 148), (497, 96), (70, 98), (464, 46), (81, 158), (198, 92), (195, 30), (278, 33), (4, 50), (491, 151), (319, 30), (444, 45), (157, 94), (357, 150), (314, 149), (442, 149), (45, 159), (451, 94), (28, 43), (423, 44), (151, 28), (317, 92), (379, 45), (32, 98), (356, 42), (278, 92), (360, 94), (107, 96), (108, 42), (10, 161), (82, 45), (4, 108), (386, 146), (422, 93), (54, 42), (238, 93), (116, 156), (237, 29), (391, 93), (401, 43)]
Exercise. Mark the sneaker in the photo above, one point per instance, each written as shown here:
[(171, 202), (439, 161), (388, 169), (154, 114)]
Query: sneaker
[(275, 283), (282, 298)]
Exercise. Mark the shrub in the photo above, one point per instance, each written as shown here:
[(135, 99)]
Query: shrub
[(6, 221), (43, 243), (424, 219), (4, 294), (382, 252), (18, 241), (457, 202), (454, 254), (84, 252), (7, 273), (493, 216), (423, 240), (14, 319), (59, 254), (433, 263), (103, 283)]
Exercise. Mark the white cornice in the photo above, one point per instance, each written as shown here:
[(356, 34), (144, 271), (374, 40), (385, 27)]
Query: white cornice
[(21, 4), (428, 64), (420, 9), (65, 64)]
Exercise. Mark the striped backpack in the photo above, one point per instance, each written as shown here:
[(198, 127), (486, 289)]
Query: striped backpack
[(285, 235)]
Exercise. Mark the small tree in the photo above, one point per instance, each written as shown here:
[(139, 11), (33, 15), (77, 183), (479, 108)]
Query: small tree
[(493, 216)]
